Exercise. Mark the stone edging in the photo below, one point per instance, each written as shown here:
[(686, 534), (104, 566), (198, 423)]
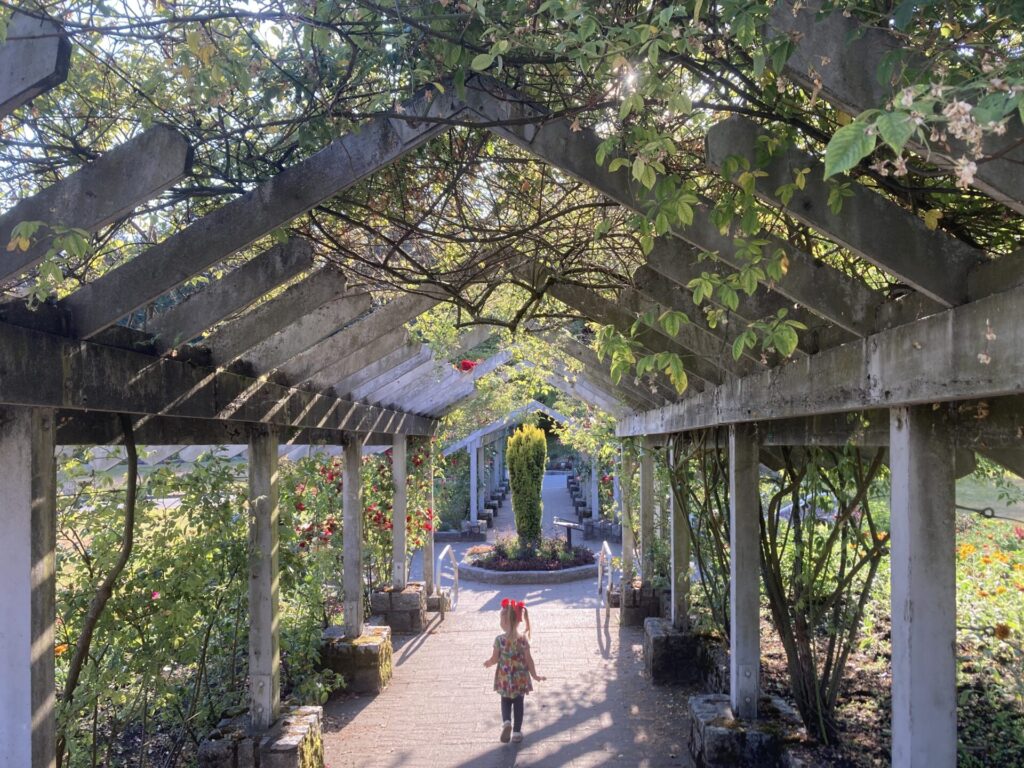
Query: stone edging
[(474, 573)]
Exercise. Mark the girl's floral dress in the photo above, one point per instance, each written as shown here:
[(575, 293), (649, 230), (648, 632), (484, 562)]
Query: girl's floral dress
[(512, 676)]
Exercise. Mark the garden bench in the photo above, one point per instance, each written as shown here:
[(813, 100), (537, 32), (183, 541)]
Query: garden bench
[(569, 526)]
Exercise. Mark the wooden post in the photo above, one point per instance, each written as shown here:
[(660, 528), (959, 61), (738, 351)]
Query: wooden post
[(627, 516), (923, 589), (744, 571), (398, 512), (474, 469), (352, 513), (595, 490), (428, 541), (264, 643), (680, 535), (28, 519), (647, 510)]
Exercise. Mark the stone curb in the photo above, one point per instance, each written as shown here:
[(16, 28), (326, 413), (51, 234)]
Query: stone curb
[(473, 573)]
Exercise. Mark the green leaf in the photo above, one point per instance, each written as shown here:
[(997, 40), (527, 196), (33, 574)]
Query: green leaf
[(481, 61), (895, 128), (677, 374), (785, 340), (849, 145)]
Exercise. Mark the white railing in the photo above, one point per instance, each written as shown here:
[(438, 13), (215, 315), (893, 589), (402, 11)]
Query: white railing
[(604, 565), (439, 574)]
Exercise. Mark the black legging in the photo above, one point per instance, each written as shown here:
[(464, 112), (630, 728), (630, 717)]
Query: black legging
[(508, 706)]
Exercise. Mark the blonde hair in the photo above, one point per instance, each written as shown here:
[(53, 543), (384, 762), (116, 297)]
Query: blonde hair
[(510, 621)]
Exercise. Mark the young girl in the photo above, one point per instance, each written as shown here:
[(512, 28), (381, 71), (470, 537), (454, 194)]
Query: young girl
[(515, 668)]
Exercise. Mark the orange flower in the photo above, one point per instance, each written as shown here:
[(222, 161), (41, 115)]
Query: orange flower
[(61, 649), (982, 593), (1002, 557), (1002, 631), (986, 559), (967, 550)]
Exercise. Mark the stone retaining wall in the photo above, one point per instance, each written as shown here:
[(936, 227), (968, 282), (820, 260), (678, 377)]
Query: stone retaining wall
[(364, 662), (473, 573), (294, 741)]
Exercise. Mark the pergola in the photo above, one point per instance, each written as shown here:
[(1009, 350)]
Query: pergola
[(935, 372)]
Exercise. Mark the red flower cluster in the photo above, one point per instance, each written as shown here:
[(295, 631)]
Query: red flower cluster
[(465, 366)]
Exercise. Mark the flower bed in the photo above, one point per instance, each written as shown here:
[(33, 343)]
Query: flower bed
[(507, 554)]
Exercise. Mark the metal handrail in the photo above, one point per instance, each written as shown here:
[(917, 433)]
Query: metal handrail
[(604, 561), (439, 574)]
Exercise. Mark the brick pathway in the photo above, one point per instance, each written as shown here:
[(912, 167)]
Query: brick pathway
[(596, 708)]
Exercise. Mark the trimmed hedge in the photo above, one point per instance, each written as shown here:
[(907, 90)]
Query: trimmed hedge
[(527, 456)]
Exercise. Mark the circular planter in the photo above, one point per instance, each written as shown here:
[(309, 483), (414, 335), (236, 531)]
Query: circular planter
[(469, 572)]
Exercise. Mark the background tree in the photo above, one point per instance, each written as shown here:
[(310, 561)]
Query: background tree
[(527, 455)]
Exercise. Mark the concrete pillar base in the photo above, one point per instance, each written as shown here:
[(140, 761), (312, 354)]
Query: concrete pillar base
[(404, 610), (719, 739), (638, 603), (295, 740), (364, 662)]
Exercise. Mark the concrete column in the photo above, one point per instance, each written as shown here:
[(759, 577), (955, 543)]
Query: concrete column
[(352, 514), (616, 497), (647, 509), (428, 542), (680, 536), (474, 471), (627, 517), (501, 459), (923, 589), (744, 571), (595, 490), (399, 510), (264, 516), (28, 520)]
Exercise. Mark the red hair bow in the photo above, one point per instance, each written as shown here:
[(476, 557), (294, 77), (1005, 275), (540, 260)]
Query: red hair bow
[(518, 606)]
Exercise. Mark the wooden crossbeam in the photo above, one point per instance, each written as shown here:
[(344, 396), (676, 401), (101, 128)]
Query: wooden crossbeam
[(439, 382), (374, 360), (232, 293), (971, 351), (97, 194), (378, 388), (83, 375), (305, 367), (838, 58), (874, 228), (35, 58), (253, 215), (295, 340), (231, 339), (821, 288)]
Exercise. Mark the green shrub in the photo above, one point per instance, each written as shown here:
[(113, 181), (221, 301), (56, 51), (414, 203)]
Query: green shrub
[(526, 456)]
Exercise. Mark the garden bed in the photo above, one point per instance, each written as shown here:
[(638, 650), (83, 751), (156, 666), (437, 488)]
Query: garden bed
[(506, 562)]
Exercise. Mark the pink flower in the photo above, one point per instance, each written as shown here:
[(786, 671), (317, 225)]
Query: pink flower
[(155, 595)]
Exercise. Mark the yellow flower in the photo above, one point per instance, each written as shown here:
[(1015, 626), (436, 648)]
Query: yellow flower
[(967, 550), (1002, 557), (1000, 589), (1002, 631)]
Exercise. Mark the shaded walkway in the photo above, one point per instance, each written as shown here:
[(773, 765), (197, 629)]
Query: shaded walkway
[(596, 708)]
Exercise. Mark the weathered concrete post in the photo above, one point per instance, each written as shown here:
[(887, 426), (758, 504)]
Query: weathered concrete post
[(264, 644), (399, 511), (28, 519), (595, 493), (428, 540), (352, 514), (744, 571), (680, 536), (627, 516), (647, 509), (474, 469), (923, 589)]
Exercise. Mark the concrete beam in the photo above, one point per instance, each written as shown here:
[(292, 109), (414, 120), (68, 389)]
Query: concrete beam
[(744, 571), (382, 388), (230, 340), (28, 513), (349, 368), (264, 642), (389, 317), (382, 368), (971, 351), (823, 289), (473, 449), (923, 561), (626, 515), (247, 218), (445, 385), (352, 520), (35, 58), (276, 351), (97, 194), (82, 375), (679, 537), (232, 293), (874, 228), (647, 510), (838, 58)]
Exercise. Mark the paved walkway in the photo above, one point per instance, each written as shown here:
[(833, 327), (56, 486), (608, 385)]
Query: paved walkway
[(596, 707)]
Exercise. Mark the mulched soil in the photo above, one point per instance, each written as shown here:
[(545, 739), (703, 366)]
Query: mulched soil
[(492, 560)]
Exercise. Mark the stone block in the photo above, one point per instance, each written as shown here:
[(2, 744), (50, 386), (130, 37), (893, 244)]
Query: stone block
[(718, 739), (637, 604), (248, 753), (365, 662), (380, 602), (676, 656), (441, 602), (295, 741), (217, 753)]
